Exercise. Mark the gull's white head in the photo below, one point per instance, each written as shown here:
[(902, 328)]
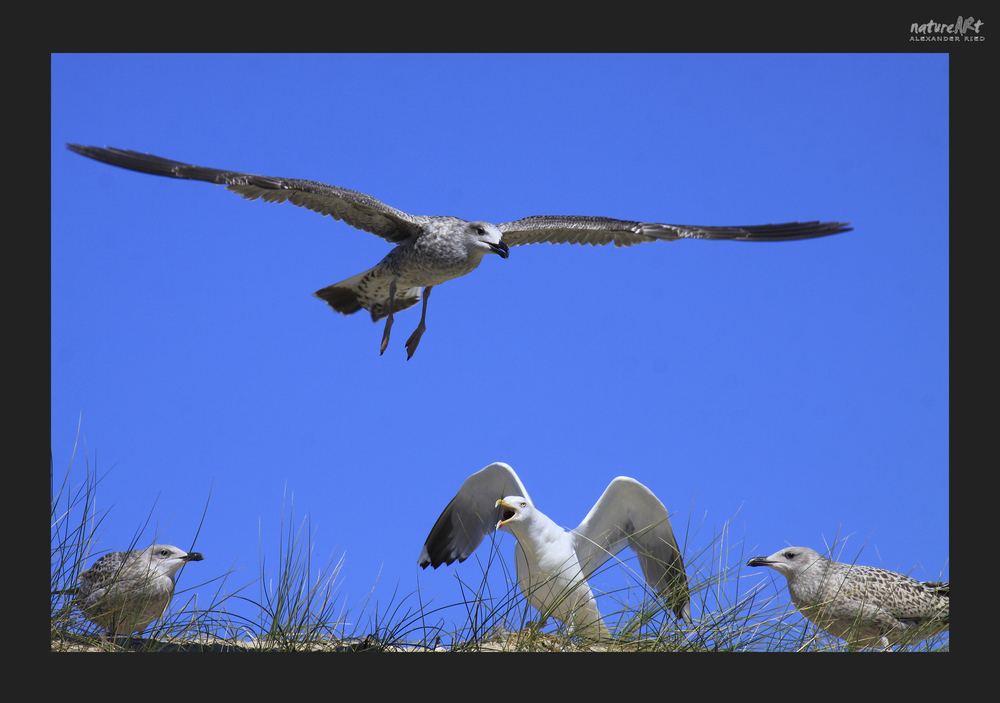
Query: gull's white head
[(513, 511), (167, 560), (485, 237), (789, 562)]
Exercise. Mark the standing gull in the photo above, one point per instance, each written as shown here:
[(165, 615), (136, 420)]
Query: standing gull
[(861, 604), (433, 249), (553, 564), (125, 591)]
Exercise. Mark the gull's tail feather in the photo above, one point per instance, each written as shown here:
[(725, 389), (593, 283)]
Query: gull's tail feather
[(368, 290)]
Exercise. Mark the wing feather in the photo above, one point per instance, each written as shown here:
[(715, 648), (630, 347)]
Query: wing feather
[(571, 229), (356, 209), (628, 513), (470, 516)]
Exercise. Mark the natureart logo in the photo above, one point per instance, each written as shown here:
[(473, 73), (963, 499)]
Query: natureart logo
[(939, 31)]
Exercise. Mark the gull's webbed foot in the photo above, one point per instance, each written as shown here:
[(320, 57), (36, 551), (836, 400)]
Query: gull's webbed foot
[(388, 319), (414, 340), (385, 335)]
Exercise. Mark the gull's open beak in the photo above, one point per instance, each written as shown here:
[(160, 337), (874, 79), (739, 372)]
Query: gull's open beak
[(507, 514), (501, 249)]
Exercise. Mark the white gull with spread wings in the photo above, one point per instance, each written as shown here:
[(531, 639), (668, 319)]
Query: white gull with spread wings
[(554, 564)]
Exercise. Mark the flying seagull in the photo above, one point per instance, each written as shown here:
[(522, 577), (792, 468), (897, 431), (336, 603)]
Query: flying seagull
[(553, 564), (861, 604), (434, 249), (123, 592)]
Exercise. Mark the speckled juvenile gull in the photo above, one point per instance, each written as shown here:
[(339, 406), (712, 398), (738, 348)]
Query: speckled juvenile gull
[(124, 592), (553, 564), (861, 604), (433, 249)]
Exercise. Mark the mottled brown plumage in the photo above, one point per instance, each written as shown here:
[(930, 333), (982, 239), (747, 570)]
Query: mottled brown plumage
[(433, 249), (123, 592), (864, 605)]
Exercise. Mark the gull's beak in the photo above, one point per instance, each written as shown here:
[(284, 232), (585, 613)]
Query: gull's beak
[(501, 249), (758, 561), (508, 513), (193, 556)]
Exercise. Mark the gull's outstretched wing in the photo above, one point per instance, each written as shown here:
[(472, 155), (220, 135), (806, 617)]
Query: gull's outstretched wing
[(558, 229), (356, 209), (470, 516), (628, 512)]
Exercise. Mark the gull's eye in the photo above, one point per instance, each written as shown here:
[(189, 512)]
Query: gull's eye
[(523, 504), (164, 552), (480, 230)]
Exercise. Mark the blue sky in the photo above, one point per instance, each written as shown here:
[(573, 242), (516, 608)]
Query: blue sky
[(789, 393)]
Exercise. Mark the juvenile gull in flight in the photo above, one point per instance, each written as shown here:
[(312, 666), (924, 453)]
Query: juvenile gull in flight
[(553, 564), (125, 591), (434, 249), (861, 604)]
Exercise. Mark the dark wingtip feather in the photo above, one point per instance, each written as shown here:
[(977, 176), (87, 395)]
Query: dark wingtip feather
[(148, 163)]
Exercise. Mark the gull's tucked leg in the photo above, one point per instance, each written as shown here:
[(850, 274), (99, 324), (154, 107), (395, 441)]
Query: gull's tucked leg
[(414, 340), (388, 320)]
